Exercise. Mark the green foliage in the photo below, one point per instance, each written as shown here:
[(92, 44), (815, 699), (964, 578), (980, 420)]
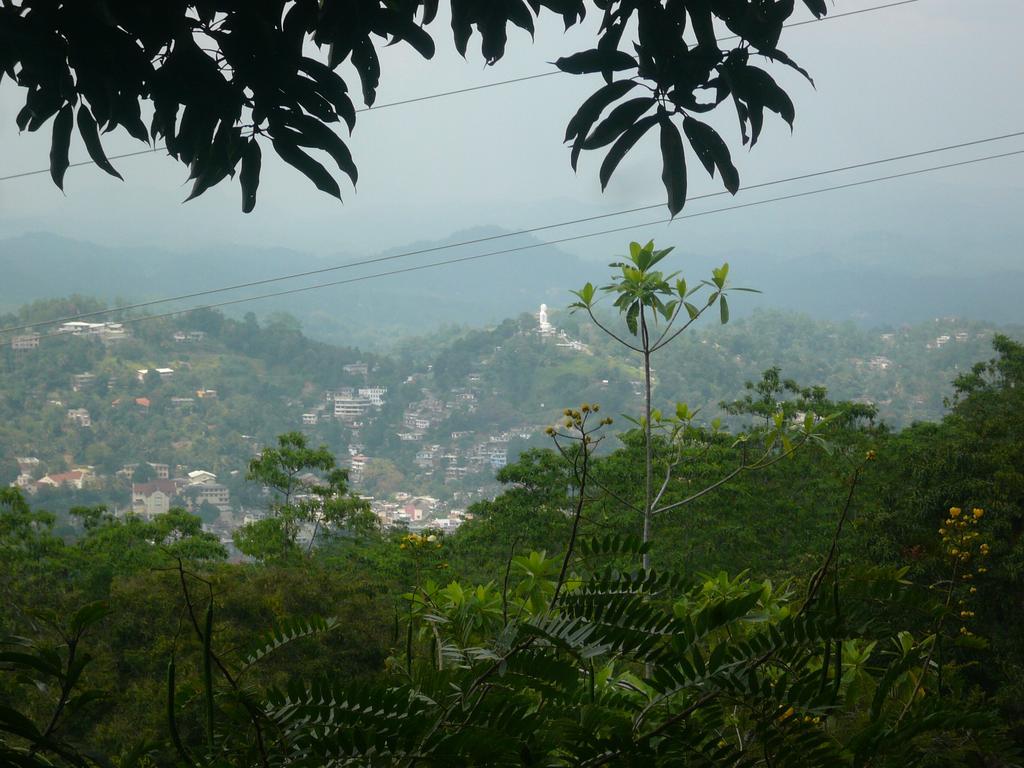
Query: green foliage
[(300, 498), (621, 668), (972, 459), (651, 305), (48, 678), (584, 658)]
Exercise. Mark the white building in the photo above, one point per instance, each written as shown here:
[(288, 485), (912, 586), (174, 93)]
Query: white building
[(25, 341), (357, 466), (105, 331), (201, 477), (80, 416), (350, 408), (155, 498), (374, 394)]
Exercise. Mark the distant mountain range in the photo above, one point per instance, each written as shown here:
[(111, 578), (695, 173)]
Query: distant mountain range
[(390, 298)]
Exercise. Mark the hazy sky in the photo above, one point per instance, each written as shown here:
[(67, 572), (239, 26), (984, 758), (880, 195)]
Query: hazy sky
[(926, 74)]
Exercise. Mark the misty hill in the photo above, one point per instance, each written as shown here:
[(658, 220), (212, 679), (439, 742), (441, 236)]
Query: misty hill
[(370, 311), (393, 298)]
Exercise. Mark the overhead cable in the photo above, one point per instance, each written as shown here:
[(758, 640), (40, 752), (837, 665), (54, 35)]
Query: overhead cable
[(458, 91), (489, 238), (531, 246)]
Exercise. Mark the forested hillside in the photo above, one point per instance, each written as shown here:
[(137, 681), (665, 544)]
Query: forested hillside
[(236, 384), (913, 536)]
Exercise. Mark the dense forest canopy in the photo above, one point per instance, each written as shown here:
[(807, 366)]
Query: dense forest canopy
[(905, 506)]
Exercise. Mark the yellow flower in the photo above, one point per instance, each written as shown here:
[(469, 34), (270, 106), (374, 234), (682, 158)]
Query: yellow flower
[(973, 590), (983, 570), (977, 512), (942, 531), (871, 455)]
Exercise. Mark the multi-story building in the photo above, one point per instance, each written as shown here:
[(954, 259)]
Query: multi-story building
[(25, 341), (349, 407), (80, 416), (207, 493), (154, 498), (80, 381), (356, 369), (374, 394)]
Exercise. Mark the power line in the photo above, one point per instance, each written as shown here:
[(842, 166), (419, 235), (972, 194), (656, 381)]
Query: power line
[(476, 257), (458, 91), (489, 238)]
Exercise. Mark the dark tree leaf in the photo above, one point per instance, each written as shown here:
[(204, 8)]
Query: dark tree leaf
[(618, 120), (315, 134), (462, 26), (313, 170), (429, 10), (673, 172), (622, 146), (588, 113), (44, 105), (91, 137), (761, 87), (592, 108), (712, 151), (364, 59), (776, 55), (60, 143), (333, 88), (401, 27), (218, 162), (310, 99), (249, 178), (817, 7), (595, 60), (24, 115), (519, 14)]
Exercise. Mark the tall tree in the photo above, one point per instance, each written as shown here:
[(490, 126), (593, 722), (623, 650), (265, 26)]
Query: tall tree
[(300, 497)]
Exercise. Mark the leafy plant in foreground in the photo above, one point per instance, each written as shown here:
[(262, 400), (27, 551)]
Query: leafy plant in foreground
[(572, 662)]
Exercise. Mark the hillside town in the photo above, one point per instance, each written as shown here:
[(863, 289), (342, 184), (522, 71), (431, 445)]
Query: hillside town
[(442, 454), (462, 461)]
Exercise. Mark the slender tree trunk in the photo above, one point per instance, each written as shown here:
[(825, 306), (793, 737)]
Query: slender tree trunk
[(648, 464)]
